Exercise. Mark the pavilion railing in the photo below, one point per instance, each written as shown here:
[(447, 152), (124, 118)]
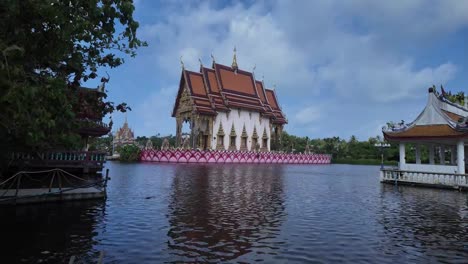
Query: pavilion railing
[(93, 158), (424, 177), (49, 182)]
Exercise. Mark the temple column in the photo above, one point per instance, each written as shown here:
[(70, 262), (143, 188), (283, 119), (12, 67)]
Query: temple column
[(431, 154), (461, 156), (442, 155), (178, 132), (193, 135), (452, 155), (402, 155), (418, 154)]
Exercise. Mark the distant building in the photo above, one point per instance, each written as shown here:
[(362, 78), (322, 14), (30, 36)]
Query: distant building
[(227, 109), (123, 136)]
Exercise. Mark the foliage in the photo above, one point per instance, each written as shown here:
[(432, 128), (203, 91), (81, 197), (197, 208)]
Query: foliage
[(47, 49), (157, 140), (458, 98), (129, 153), (103, 144)]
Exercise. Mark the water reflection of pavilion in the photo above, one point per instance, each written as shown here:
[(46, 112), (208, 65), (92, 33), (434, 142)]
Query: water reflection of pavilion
[(218, 213), (435, 224)]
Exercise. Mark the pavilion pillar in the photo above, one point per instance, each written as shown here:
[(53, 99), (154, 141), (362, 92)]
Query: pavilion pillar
[(431, 154), (418, 154), (452, 155), (461, 156), (442, 155), (402, 155)]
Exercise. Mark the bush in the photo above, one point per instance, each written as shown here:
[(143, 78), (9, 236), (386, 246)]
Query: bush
[(129, 153)]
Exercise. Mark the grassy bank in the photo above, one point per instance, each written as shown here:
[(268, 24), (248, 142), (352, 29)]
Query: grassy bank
[(363, 162)]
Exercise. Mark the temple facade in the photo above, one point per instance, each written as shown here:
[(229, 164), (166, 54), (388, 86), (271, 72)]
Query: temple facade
[(123, 136), (226, 108)]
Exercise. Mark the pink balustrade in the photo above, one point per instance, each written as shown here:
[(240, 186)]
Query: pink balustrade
[(215, 156)]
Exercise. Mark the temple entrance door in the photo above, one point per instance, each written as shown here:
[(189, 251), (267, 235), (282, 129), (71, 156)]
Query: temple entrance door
[(205, 142)]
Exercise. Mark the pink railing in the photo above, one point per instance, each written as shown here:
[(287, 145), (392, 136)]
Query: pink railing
[(215, 156)]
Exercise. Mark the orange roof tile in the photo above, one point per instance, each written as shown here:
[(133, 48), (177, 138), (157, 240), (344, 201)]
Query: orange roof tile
[(272, 99), (196, 83), (213, 83), (260, 93), (239, 82), (452, 116)]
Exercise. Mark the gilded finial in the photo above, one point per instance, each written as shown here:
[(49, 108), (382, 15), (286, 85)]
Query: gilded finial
[(182, 63), (234, 60)]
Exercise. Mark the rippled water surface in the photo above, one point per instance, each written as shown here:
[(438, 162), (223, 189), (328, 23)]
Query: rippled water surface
[(243, 213)]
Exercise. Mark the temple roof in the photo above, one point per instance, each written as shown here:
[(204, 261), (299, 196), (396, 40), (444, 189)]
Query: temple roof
[(273, 102), (125, 132), (222, 88), (440, 119)]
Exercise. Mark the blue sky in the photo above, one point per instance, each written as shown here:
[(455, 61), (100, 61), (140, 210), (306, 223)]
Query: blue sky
[(341, 68)]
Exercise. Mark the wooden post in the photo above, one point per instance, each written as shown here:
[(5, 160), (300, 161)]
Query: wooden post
[(18, 184), (51, 181), (101, 257), (105, 182)]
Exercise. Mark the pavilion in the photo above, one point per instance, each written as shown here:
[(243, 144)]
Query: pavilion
[(442, 129)]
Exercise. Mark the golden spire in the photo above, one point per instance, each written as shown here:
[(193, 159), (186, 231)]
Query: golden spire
[(234, 60), (182, 63)]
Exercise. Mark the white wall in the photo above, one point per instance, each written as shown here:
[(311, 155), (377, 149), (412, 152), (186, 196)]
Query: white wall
[(239, 120)]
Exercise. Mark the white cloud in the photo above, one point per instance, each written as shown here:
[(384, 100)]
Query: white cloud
[(308, 115), (310, 49), (154, 113)]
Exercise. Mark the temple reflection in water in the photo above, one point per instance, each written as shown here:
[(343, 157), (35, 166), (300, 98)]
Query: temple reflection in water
[(219, 214)]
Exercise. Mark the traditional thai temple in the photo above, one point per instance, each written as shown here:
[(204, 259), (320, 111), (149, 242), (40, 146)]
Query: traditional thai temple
[(227, 109), (123, 136), (442, 130)]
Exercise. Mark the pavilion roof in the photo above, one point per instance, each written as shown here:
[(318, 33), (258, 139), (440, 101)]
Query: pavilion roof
[(440, 119)]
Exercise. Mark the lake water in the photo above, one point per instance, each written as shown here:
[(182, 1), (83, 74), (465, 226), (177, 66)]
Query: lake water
[(243, 213)]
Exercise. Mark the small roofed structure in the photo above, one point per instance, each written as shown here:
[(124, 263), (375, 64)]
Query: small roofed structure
[(441, 128), (227, 109)]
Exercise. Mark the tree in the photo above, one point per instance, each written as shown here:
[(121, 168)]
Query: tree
[(129, 153), (48, 48)]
